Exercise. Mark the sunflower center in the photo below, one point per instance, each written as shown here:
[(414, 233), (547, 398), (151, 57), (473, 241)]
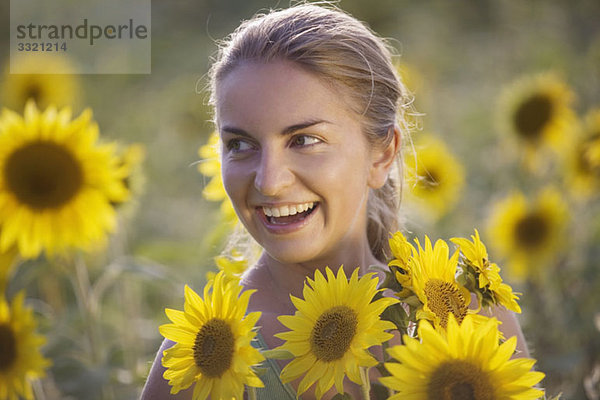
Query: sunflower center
[(43, 175), (8, 347), (444, 298), (459, 380), (333, 333), (531, 231), (532, 116), (213, 348)]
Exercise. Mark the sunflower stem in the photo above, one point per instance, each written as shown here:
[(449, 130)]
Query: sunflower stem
[(366, 385), (82, 290), (84, 295), (38, 389), (251, 393)]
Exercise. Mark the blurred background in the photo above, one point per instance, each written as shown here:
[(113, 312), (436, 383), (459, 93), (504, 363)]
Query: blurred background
[(507, 91)]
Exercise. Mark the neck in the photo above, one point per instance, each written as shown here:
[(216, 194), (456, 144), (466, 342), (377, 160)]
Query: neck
[(289, 278)]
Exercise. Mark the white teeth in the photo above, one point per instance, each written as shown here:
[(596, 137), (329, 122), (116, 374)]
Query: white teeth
[(284, 211)]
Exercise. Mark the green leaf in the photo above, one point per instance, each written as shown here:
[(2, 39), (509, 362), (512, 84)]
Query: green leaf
[(277, 354), (413, 301), (397, 315), (260, 371)]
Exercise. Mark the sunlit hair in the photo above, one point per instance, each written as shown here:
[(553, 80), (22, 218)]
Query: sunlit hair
[(344, 52)]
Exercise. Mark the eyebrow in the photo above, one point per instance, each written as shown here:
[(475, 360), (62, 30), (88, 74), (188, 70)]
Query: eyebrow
[(285, 132)]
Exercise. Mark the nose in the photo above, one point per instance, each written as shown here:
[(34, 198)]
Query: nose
[(273, 173)]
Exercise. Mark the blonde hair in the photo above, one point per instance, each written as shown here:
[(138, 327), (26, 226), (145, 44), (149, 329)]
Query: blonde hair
[(343, 51)]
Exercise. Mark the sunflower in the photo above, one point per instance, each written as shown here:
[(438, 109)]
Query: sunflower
[(535, 111), (466, 362), (212, 338), (130, 161), (56, 182), (401, 249), (20, 357), (210, 166), (60, 90), (402, 252), (131, 158), (332, 329), (233, 266), (435, 176), (583, 165), (528, 233), (490, 287), (433, 281)]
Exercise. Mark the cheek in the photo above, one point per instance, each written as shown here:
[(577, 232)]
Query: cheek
[(340, 178), (233, 180)]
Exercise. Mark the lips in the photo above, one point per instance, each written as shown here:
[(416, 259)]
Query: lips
[(290, 218)]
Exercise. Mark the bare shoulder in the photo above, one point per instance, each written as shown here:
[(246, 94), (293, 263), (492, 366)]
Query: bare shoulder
[(509, 327), (156, 387)]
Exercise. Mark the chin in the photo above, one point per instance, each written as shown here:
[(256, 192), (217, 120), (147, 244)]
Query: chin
[(292, 254)]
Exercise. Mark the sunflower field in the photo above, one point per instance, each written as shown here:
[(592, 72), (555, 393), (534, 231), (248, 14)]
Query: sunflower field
[(113, 217)]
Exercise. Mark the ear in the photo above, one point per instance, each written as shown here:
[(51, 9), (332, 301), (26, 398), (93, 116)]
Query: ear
[(383, 159)]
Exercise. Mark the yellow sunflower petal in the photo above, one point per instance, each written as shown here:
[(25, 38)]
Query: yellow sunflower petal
[(332, 326), (435, 177), (21, 359), (468, 355), (57, 183), (213, 344)]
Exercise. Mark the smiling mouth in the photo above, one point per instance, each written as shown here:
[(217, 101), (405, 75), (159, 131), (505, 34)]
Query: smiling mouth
[(290, 218)]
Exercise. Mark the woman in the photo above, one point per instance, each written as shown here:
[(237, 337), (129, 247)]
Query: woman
[(311, 113)]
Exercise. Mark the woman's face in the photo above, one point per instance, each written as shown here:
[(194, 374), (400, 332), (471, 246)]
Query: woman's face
[(295, 161)]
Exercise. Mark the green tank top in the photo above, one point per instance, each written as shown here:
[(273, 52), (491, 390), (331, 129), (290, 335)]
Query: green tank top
[(274, 389)]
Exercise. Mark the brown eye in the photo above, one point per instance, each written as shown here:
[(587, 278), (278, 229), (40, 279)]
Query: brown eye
[(304, 140), (234, 145), (237, 145), (299, 140)]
